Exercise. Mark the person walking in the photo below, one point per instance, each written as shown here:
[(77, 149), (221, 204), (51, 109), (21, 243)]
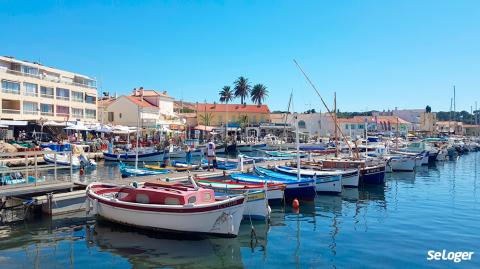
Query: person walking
[(211, 154)]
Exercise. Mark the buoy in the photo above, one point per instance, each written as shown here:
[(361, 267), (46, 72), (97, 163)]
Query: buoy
[(295, 203)]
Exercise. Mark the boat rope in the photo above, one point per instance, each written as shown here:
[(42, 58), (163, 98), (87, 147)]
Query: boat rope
[(253, 234)]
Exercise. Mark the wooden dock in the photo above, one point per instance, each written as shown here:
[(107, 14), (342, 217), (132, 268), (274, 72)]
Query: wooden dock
[(35, 188)]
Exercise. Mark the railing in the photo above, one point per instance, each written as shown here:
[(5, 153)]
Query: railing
[(10, 111), (80, 100), (46, 113), (31, 94), (44, 95), (91, 116), (62, 114), (43, 77), (10, 91), (77, 115), (30, 112), (66, 98)]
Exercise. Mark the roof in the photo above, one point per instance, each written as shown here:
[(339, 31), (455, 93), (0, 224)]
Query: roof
[(391, 120), (140, 102), (105, 102), (233, 108), (386, 119), (204, 128)]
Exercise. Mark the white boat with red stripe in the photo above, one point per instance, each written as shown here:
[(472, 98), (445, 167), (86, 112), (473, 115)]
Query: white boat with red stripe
[(175, 208)]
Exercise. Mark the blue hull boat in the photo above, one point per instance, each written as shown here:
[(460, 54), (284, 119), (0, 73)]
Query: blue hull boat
[(131, 171), (303, 189)]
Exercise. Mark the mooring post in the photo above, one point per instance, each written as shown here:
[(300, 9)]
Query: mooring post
[(71, 167)]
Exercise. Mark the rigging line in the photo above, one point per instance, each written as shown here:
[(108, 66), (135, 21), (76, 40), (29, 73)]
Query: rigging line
[(324, 104)]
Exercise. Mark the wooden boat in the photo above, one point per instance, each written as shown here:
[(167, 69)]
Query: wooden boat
[(324, 181), (170, 208), (170, 168), (400, 162), (370, 173), (350, 177), (301, 189), (275, 191), (131, 171), (283, 154), (148, 155)]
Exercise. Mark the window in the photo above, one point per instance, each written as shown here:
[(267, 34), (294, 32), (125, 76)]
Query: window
[(77, 96), (254, 119), (302, 125), (90, 99), (30, 70), (30, 89), (46, 109), (361, 126), (91, 113), (352, 126), (63, 111), (120, 115), (207, 197), (63, 94), (111, 116), (346, 126), (192, 199), (77, 112), (46, 92), (30, 108), (10, 87)]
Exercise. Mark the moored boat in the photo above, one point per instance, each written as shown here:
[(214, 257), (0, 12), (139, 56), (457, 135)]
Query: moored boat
[(325, 181), (170, 208)]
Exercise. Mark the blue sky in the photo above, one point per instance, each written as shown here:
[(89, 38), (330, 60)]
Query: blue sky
[(374, 54)]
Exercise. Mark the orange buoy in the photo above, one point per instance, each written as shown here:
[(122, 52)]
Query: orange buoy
[(295, 203)]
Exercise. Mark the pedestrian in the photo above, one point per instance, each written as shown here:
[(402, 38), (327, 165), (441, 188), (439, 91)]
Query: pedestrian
[(211, 154), (188, 155), (166, 154)]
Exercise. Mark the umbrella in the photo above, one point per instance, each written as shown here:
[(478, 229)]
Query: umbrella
[(77, 128), (103, 129)]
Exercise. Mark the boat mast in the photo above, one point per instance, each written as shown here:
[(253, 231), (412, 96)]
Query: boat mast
[(138, 129), (324, 104), (297, 142), (286, 117), (396, 140), (335, 119)]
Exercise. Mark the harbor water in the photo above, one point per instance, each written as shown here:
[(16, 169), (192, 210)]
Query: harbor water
[(390, 226)]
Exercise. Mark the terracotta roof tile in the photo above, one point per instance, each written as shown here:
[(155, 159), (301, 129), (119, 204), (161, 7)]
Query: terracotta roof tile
[(233, 108), (138, 100)]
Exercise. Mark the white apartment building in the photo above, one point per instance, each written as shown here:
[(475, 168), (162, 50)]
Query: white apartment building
[(32, 91)]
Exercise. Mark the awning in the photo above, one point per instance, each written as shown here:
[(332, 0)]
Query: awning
[(13, 122), (204, 128), (78, 128), (3, 126)]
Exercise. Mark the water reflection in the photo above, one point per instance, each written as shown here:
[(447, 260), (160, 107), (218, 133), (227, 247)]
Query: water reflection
[(150, 249)]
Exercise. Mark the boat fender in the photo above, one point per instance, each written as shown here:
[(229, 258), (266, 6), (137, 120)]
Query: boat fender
[(167, 179), (134, 184)]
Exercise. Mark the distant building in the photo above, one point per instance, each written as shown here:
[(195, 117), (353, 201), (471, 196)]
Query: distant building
[(410, 115), (450, 127), (153, 108), (472, 129), (311, 124), (32, 91), (216, 114), (428, 121)]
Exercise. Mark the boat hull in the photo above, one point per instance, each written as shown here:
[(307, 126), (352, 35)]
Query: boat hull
[(222, 220), (373, 175), (145, 157), (402, 164)]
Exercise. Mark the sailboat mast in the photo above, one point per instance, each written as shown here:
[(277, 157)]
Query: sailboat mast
[(138, 129), (286, 116), (335, 119), (297, 142)]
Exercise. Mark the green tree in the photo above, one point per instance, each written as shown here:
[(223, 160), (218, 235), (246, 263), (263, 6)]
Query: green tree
[(206, 118), (259, 92), (243, 121), (242, 88)]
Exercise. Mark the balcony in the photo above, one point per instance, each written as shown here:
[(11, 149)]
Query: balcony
[(10, 106), (65, 98)]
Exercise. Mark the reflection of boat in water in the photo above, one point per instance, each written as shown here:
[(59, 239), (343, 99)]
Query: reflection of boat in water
[(406, 177), (150, 249)]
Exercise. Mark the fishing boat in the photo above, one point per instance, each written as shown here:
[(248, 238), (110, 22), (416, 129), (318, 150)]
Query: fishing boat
[(144, 155), (172, 208), (179, 153), (400, 163), (370, 172), (256, 206), (350, 177), (62, 159), (275, 191), (170, 168), (303, 188), (131, 171), (325, 181), (283, 154)]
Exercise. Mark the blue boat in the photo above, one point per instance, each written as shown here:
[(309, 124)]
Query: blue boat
[(17, 178), (131, 171), (303, 189)]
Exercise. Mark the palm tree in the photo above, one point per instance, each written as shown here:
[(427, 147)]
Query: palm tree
[(242, 88), (259, 92), (226, 95)]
